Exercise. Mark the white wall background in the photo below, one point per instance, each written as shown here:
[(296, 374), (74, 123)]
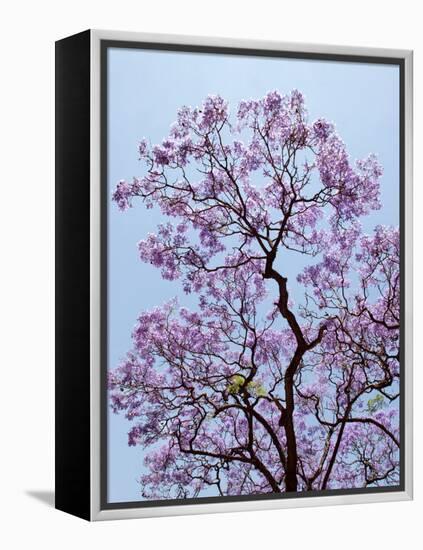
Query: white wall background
[(28, 31)]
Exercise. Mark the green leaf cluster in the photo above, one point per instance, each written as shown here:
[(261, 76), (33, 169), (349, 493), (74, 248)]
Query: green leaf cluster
[(257, 389), (375, 404), (237, 381)]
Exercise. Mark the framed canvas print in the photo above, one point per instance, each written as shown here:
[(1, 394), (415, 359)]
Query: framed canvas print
[(233, 275)]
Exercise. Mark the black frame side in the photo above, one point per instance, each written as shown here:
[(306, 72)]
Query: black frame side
[(72, 369)]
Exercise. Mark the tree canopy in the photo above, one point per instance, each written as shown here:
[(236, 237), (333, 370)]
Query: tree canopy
[(252, 391)]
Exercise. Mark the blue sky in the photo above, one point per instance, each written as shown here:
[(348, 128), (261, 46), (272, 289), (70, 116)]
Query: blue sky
[(146, 88)]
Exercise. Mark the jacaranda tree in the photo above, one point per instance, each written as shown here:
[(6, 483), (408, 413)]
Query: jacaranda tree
[(252, 392)]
